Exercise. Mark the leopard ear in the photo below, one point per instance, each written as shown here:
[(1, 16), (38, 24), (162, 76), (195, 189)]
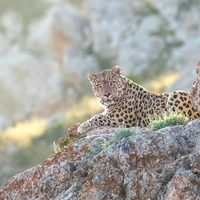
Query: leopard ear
[(117, 70), (91, 76)]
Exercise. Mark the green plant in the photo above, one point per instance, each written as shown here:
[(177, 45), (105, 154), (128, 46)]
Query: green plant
[(120, 134), (65, 142), (123, 133), (171, 120)]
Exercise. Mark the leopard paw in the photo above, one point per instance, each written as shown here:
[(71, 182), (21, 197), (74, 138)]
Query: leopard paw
[(83, 128)]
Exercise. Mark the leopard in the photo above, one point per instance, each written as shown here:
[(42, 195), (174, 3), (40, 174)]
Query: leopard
[(127, 104)]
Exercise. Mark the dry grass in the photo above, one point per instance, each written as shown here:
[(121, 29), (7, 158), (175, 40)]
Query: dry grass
[(163, 82), (23, 132)]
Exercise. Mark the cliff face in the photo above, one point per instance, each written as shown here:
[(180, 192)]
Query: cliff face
[(195, 90), (163, 164)]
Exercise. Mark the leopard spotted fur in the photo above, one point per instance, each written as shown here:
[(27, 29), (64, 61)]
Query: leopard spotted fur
[(129, 104)]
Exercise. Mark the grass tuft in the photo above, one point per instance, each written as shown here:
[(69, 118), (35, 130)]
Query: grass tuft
[(171, 120), (120, 134), (123, 133), (62, 143)]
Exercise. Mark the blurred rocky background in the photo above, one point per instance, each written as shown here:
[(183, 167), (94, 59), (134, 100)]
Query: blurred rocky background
[(47, 48)]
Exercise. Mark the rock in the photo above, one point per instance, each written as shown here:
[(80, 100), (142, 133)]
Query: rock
[(179, 14), (135, 51), (128, 33), (184, 185), (12, 24), (124, 33), (109, 24), (5, 44), (147, 165), (128, 44), (84, 62), (26, 84), (60, 29), (195, 90), (185, 64)]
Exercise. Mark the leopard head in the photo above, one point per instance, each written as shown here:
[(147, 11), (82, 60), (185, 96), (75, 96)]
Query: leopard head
[(107, 85)]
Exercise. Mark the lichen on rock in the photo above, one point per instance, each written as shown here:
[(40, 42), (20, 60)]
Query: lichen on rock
[(162, 164)]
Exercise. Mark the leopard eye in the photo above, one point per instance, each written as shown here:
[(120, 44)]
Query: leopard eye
[(113, 83), (98, 85)]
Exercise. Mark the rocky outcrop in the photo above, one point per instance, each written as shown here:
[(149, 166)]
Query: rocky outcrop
[(146, 165), (195, 90), (130, 31)]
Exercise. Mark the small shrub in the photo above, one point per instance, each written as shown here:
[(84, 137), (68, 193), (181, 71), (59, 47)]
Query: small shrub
[(120, 134), (171, 120), (123, 133), (65, 142)]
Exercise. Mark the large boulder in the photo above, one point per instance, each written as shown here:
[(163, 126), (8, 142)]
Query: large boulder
[(147, 165), (195, 90)]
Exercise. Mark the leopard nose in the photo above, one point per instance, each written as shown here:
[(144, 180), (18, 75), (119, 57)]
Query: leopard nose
[(107, 95)]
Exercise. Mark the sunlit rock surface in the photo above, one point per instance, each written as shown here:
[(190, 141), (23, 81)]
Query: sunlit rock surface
[(147, 165)]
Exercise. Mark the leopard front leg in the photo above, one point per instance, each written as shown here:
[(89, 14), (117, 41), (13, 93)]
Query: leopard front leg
[(96, 121)]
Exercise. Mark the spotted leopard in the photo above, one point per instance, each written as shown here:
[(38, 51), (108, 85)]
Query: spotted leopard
[(129, 104)]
